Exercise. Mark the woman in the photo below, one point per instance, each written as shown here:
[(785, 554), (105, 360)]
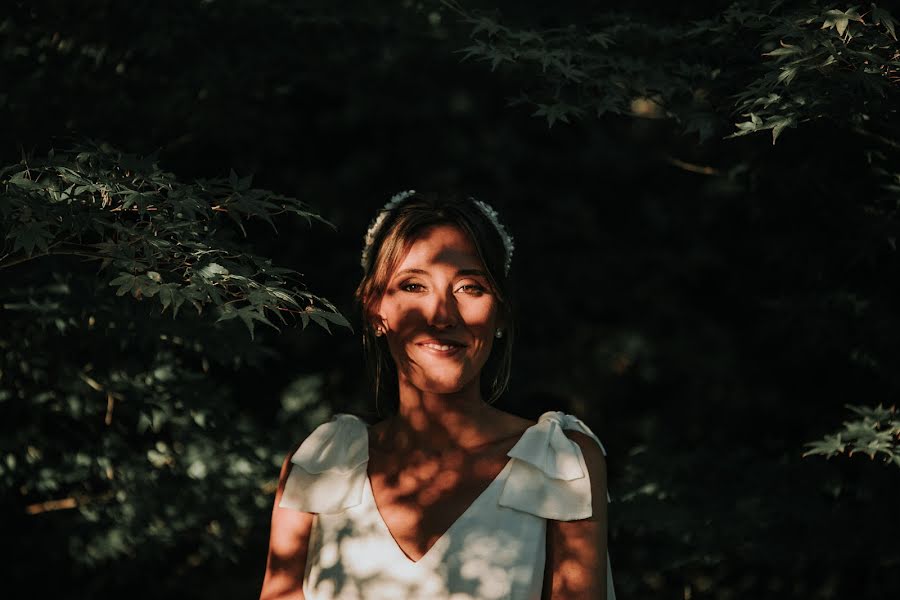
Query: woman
[(449, 497)]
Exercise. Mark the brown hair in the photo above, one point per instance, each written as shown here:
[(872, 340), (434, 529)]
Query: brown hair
[(392, 240)]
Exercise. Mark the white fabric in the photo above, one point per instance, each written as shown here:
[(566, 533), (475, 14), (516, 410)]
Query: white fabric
[(549, 477), (494, 551), (329, 467)]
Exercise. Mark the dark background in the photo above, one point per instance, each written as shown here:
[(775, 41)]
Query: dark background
[(708, 305)]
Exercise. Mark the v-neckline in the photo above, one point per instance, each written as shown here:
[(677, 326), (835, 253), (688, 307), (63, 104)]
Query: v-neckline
[(447, 531)]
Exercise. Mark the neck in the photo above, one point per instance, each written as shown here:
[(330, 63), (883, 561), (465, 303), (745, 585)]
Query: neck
[(438, 422)]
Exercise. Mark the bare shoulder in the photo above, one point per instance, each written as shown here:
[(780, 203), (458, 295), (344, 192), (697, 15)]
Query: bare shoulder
[(505, 425), (592, 452), (287, 466), (514, 421), (595, 461)]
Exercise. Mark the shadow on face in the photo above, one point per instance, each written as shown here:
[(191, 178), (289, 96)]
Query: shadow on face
[(439, 312)]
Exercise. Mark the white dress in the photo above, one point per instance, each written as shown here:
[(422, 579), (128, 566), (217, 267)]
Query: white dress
[(494, 551)]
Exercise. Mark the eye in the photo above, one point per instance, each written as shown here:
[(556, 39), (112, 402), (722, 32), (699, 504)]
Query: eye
[(412, 287), (474, 289)]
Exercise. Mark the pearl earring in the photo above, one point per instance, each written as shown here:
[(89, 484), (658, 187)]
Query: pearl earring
[(499, 334), (379, 332)]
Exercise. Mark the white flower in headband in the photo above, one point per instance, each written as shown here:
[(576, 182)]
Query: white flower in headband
[(492, 216), (395, 201)]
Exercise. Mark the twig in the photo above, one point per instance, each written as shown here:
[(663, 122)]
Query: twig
[(110, 404), (50, 505), (23, 259), (693, 168)]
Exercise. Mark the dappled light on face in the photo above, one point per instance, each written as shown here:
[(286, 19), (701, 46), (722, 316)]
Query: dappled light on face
[(439, 291), (409, 325)]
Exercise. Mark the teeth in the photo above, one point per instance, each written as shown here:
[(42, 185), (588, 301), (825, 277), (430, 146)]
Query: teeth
[(442, 348)]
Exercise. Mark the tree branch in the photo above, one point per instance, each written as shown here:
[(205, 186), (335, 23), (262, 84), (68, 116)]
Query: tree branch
[(18, 261)]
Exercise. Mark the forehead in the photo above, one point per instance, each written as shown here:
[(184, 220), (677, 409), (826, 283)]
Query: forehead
[(441, 245)]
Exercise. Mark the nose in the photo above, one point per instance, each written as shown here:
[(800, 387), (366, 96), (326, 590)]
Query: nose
[(444, 312)]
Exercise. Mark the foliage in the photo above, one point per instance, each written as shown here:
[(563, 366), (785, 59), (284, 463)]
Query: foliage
[(838, 65), (112, 404), (163, 238), (875, 433), (822, 63)]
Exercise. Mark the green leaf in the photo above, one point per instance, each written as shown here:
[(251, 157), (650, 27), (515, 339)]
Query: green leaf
[(30, 235), (213, 271), (556, 112), (125, 281), (830, 446), (487, 25), (839, 20), (785, 50), (320, 320), (478, 50), (284, 296), (601, 39), (247, 314), (167, 295), (883, 17), (841, 25), (22, 180), (498, 57), (778, 124), (334, 317), (877, 432), (787, 75), (526, 37)]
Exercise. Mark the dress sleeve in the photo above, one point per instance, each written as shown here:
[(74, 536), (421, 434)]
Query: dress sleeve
[(328, 471), (548, 476)]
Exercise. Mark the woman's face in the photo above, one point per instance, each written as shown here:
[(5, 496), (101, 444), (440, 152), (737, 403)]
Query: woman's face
[(439, 313)]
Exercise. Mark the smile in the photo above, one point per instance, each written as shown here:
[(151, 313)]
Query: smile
[(441, 347), (437, 347)]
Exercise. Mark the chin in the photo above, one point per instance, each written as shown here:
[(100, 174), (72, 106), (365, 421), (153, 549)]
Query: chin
[(437, 387), (440, 385), (447, 390)]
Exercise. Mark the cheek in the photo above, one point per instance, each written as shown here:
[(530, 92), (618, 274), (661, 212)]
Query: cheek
[(480, 315), (399, 312)]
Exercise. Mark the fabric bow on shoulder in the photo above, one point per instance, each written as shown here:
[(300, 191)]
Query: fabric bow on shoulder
[(548, 476), (328, 471)]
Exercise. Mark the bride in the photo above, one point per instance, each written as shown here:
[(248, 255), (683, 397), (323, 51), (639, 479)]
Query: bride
[(448, 498)]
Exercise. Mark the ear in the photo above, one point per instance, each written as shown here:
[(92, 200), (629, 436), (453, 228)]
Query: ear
[(376, 322), (374, 317)]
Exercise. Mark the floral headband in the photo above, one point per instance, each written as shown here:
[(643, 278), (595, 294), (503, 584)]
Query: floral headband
[(397, 199)]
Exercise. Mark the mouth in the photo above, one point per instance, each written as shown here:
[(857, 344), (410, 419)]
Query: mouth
[(442, 346)]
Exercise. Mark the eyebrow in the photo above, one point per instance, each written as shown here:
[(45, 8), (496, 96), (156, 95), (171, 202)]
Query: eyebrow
[(477, 272)]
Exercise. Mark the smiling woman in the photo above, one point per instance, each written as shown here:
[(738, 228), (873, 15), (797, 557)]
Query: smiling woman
[(448, 498), (424, 237)]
